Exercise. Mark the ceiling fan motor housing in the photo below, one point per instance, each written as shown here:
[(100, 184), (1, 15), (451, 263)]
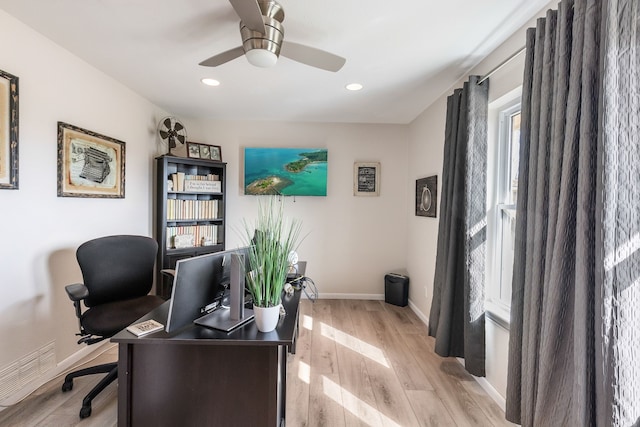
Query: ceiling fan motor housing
[(263, 42), (271, 40)]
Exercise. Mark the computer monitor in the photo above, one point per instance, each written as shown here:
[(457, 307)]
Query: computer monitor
[(199, 285), (228, 318)]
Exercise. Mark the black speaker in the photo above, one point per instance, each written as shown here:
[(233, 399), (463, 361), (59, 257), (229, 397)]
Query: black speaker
[(396, 289)]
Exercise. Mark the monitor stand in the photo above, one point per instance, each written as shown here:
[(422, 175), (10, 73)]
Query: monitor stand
[(228, 319), (221, 319)]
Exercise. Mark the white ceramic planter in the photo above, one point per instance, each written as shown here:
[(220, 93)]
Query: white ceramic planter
[(266, 318)]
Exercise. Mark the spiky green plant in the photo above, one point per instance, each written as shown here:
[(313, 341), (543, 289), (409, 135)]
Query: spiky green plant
[(270, 239)]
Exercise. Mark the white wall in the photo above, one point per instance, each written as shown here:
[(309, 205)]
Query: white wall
[(352, 241), (426, 152), (39, 230)]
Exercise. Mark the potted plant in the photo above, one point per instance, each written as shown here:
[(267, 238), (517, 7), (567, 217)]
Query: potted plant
[(271, 238)]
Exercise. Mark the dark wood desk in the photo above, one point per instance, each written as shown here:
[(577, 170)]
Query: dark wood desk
[(204, 377)]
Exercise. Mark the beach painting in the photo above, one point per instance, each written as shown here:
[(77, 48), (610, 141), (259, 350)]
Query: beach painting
[(285, 171)]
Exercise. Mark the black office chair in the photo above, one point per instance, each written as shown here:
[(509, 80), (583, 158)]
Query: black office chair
[(118, 274)]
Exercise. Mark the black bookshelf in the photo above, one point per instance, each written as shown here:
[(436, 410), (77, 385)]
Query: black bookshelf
[(189, 222)]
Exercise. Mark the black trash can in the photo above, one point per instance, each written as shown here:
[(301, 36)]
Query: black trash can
[(396, 289)]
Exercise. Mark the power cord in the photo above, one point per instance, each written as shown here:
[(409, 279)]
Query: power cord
[(306, 285)]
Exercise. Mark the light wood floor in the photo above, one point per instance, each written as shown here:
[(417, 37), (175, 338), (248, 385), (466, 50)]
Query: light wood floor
[(358, 363)]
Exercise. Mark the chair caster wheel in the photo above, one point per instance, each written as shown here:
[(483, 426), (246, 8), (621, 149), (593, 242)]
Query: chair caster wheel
[(67, 385), (85, 411)]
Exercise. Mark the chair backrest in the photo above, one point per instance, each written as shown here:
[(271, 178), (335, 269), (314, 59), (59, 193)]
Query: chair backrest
[(116, 268)]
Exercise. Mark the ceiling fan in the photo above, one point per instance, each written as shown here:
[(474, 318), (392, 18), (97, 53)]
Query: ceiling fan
[(262, 39)]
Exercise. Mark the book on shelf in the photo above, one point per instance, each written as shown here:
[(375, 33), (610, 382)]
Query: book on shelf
[(174, 182), (208, 232), (178, 209), (207, 177), (202, 186), (209, 183), (180, 181), (144, 328)]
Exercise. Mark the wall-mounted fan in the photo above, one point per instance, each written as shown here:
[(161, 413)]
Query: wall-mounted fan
[(173, 136), (263, 39)]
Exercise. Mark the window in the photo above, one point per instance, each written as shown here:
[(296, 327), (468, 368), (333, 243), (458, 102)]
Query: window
[(502, 207)]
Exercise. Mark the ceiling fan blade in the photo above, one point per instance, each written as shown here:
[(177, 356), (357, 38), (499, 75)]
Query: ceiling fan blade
[(311, 56), (250, 14), (223, 57)]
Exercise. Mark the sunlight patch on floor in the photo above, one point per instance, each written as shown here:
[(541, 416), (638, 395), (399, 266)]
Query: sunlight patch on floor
[(307, 322), (355, 344), (304, 372), (357, 407)]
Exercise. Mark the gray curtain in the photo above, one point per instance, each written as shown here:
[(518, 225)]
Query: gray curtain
[(574, 337), (456, 319)]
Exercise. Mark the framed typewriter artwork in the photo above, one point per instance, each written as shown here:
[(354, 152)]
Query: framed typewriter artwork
[(89, 164)]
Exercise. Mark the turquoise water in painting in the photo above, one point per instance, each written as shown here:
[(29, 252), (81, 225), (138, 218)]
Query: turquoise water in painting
[(261, 163)]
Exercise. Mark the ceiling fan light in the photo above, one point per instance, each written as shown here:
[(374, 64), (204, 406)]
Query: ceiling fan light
[(261, 58)]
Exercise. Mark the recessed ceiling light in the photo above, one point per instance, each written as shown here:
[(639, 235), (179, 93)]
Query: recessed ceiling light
[(210, 82), (353, 86)]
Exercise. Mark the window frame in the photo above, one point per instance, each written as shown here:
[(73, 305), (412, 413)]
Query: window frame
[(500, 120)]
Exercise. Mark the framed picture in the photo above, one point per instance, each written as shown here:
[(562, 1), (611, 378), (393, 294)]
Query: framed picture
[(205, 151), (196, 150), (366, 179), (193, 150), (89, 164), (427, 196), (286, 171), (8, 131), (216, 153)]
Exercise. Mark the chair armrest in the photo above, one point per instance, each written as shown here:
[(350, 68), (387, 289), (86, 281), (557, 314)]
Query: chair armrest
[(77, 291), (168, 272)]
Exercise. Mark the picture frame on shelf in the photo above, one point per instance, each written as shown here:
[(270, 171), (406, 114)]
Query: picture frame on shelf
[(196, 150), (427, 196), (8, 131), (366, 179), (205, 151), (216, 153), (89, 164), (193, 150)]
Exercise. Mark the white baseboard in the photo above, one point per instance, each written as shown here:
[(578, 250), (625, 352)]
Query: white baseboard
[(420, 314), (486, 385), (84, 355), (492, 392), (377, 297), (351, 296)]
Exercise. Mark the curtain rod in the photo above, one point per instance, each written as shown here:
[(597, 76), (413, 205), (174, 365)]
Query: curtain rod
[(502, 64)]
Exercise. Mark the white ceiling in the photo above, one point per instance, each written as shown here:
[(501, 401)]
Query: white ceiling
[(406, 53)]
